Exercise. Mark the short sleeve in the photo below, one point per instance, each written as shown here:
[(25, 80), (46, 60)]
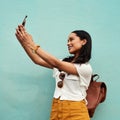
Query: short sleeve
[(84, 72)]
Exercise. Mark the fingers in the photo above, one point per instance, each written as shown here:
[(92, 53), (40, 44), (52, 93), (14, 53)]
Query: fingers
[(20, 30), (22, 35), (19, 33)]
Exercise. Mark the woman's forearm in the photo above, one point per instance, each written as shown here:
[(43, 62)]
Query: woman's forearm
[(36, 58), (56, 63), (53, 61)]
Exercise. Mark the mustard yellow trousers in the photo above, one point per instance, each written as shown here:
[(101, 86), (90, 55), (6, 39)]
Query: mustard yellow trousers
[(69, 110)]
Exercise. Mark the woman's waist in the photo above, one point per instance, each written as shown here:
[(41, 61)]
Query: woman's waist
[(65, 101)]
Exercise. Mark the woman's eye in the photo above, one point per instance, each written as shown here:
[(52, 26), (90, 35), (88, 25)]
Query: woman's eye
[(71, 39)]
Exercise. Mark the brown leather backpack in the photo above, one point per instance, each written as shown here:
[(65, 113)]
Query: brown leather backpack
[(96, 94)]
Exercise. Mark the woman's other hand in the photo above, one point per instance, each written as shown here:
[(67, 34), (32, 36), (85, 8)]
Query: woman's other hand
[(24, 38)]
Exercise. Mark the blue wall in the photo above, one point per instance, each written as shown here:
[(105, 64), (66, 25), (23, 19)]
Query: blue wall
[(26, 89)]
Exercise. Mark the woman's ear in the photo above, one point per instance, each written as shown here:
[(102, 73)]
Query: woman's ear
[(84, 41)]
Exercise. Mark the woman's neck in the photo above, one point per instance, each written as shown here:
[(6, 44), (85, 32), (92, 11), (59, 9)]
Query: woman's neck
[(75, 57)]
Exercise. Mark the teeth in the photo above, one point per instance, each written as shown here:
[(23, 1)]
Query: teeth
[(69, 47)]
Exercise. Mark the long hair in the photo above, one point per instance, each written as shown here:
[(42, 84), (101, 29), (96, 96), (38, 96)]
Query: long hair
[(85, 51)]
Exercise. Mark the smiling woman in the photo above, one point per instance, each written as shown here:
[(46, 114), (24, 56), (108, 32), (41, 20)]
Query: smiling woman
[(75, 42), (72, 74)]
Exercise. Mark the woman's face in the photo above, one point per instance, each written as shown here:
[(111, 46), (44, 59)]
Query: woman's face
[(75, 44)]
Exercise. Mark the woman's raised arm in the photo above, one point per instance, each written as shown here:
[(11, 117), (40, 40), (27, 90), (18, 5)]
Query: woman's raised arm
[(22, 37), (41, 57)]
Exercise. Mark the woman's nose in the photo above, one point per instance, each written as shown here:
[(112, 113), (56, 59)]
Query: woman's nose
[(68, 43)]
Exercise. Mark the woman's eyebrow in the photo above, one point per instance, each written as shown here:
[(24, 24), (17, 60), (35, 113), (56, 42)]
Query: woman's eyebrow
[(70, 38)]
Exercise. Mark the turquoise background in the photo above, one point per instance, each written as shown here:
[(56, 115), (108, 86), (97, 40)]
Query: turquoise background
[(26, 89)]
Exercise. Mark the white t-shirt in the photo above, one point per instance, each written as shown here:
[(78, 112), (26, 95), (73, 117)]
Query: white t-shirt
[(74, 87)]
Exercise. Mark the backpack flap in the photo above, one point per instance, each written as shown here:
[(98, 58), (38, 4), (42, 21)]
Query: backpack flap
[(93, 95), (96, 94)]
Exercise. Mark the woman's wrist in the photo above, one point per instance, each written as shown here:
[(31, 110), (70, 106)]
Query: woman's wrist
[(35, 48)]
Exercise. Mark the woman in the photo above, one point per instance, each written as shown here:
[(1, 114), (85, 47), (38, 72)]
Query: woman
[(72, 74)]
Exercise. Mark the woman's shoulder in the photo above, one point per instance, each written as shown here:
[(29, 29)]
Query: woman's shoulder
[(84, 67), (87, 64)]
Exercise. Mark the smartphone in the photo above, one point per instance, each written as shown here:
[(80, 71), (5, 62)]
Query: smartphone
[(24, 21)]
